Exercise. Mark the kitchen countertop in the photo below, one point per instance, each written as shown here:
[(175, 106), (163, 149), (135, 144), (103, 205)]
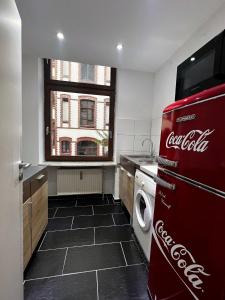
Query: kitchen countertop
[(131, 165), (32, 171), (150, 169)]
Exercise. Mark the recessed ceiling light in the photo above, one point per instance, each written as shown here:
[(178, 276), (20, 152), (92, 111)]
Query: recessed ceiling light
[(119, 47), (193, 58), (60, 36)]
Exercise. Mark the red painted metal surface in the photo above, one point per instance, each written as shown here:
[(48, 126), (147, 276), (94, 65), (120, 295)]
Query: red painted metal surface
[(188, 247), (194, 136)]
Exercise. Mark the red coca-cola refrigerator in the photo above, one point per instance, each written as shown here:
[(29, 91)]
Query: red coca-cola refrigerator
[(188, 248)]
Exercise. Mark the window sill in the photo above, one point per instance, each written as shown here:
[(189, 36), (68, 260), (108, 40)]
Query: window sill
[(78, 164)]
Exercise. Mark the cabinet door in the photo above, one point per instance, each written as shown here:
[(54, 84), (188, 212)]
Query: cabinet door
[(122, 184), (39, 213), (129, 193), (127, 189), (27, 246)]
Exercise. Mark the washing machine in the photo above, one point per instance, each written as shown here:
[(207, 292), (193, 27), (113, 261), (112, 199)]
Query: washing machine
[(143, 210)]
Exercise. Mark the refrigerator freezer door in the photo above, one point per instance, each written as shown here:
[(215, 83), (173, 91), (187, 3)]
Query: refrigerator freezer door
[(193, 142), (188, 247)]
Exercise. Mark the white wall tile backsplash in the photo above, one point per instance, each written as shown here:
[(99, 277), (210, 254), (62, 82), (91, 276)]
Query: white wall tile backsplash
[(125, 126), (138, 140), (156, 142), (142, 127), (125, 142), (130, 135), (156, 126)]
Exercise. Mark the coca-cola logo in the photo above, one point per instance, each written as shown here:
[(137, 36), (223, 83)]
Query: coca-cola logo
[(181, 257), (194, 140)]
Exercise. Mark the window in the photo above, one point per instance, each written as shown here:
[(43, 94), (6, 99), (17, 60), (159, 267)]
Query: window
[(87, 147), (87, 113), (79, 115), (81, 73), (106, 116), (65, 146), (65, 110), (87, 72)]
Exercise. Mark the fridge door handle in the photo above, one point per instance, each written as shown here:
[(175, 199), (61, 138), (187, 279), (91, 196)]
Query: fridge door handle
[(163, 183), (166, 162)]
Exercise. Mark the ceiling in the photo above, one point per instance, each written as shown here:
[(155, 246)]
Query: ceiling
[(150, 30)]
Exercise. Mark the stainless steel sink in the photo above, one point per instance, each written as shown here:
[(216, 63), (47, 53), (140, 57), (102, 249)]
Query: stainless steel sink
[(141, 159)]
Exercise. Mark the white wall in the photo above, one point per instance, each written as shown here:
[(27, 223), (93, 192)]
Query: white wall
[(132, 124), (165, 78), (133, 111), (32, 110), (133, 115)]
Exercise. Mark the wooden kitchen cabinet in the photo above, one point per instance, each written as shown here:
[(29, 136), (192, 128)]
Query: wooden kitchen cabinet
[(27, 235), (35, 211), (39, 213), (126, 189)]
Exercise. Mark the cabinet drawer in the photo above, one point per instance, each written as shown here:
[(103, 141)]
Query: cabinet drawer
[(39, 213), (38, 181)]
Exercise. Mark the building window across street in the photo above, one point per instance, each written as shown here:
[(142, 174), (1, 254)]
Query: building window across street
[(79, 111), (87, 147), (87, 113)]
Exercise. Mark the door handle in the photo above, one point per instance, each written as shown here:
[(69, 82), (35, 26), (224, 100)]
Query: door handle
[(23, 165), (166, 162), (40, 177), (163, 183)]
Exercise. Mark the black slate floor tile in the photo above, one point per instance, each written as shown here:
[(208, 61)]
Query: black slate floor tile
[(124, 283), (107, 209), (51, 212), (121, 219), (91, 201), (92, 221), (94, 258), (113, 234), (45, 264), (132, 253), (74, 211), (59, 223), (68, 238), (71, 287), (61, 203)]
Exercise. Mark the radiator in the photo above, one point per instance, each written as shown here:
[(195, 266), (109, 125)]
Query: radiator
[(79, 181)]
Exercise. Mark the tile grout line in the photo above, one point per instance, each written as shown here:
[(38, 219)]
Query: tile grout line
[(42, 240), (72, 223), (64, 260), (123, 253), (97, 284), (55, 212), (87, 245), (94, 235), (82, 272), (86, 215), (83, 228), (113, 219)]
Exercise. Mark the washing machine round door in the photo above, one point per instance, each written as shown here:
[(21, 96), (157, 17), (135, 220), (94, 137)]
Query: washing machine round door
[(143, 210)]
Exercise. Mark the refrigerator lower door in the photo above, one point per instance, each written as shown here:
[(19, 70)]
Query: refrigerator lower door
[(188, 247)]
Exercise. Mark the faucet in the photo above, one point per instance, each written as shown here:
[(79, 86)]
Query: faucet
[(151, 145)]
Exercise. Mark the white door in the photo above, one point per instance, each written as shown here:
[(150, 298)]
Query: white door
[(11, 287)]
